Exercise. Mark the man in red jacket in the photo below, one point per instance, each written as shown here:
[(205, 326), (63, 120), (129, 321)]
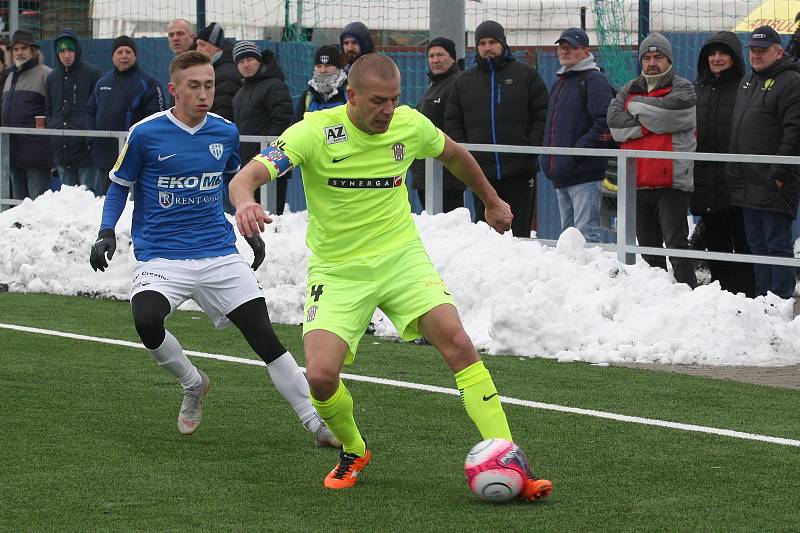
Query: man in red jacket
[(656, 111)]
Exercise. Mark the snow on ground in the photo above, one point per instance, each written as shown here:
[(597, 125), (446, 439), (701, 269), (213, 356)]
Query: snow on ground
[(570, 302)]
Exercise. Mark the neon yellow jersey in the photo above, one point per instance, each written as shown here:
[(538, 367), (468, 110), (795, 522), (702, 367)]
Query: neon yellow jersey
[(355, 182)]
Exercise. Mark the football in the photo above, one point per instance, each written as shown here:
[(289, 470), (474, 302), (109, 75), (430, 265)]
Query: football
[(496, 470)]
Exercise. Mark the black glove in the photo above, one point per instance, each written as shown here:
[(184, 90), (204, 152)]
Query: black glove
[(257, 244), (106, 243)]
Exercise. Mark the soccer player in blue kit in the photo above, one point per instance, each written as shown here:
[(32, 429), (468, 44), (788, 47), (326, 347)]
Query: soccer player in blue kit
[(180, 161)]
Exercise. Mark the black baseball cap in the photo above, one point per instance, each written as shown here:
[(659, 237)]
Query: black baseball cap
[(764, 37), (574, 36)]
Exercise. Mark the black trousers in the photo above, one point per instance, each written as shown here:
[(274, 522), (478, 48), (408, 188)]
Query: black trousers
[(451, 199), (518, 193), (725, 233), (661, 219)]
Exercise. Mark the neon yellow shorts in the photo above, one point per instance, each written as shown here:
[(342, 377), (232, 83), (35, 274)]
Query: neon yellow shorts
[(342, 297)]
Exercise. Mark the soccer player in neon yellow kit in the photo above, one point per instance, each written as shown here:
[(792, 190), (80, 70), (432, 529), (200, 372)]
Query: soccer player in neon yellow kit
[(366, 248)]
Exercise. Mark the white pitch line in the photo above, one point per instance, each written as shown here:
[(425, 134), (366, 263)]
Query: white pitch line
[(445, 390)]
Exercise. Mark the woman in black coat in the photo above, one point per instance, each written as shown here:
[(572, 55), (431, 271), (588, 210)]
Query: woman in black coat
[(720, 68)]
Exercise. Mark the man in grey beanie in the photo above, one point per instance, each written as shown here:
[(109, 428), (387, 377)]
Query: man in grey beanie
[(656, 111)]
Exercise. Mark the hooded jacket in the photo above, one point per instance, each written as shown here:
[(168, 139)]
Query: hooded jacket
[(23, 98), (499, 101), (578, 123), (766, 120), (120, 100), (663, 119), (432, 105), (262, 106), (715, 101), (227, 83), (361, 33), (68, 90)]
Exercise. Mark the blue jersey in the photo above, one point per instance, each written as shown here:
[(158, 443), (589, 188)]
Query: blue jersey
[(180, 174)]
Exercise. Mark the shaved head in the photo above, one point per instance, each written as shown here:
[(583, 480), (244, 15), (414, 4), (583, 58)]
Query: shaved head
[(373, 93), (369, 67)]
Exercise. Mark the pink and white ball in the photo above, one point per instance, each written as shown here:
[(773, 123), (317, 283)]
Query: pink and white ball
[(496, 470)]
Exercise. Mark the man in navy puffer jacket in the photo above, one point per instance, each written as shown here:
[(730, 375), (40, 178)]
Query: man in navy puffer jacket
[(122, 97), (576, 117), (500, 101)]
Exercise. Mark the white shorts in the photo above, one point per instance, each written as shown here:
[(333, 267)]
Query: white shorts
[(218, 284)]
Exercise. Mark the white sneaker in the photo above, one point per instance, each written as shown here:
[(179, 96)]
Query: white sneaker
[(323, 436), (192, 406)]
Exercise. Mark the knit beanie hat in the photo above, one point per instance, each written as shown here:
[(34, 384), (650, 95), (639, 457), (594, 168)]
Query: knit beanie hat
[(66, 43), (328, 54), (444, 42), (123, 40), (655, 42), (244, 49), (490, 28), (213, 34)]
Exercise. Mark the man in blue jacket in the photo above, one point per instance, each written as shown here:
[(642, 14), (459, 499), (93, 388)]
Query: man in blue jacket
[(576, 117), (122, 97), (68, 89)]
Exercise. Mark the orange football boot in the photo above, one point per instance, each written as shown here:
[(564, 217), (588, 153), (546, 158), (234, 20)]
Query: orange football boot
[(345, 474), (536, 489)]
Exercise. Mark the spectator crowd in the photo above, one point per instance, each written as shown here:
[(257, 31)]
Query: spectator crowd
[(729, 108)]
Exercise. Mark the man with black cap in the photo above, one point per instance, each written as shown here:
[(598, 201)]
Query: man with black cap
[(500, 101), (656, 111), (211, 41), (355, 41), (69, 87), (766, 120), (576, 117), (720, 67), (262, 106), (328, 84), (122, 97), (23, 99), (443, 70)]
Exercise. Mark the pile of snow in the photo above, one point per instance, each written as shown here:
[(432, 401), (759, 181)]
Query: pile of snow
[(570, 302)]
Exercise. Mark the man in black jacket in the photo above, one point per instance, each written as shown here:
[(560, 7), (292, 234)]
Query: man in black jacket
[(500, 101), (23, 99), (263, 105), (211, 41), (68, 89), (766, 120), (720, 68), (443, 72)]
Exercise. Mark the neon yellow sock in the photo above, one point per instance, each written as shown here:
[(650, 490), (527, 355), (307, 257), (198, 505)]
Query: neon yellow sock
[(482, 402), (337, 411)]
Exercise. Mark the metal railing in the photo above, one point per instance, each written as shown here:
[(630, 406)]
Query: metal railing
[(626, 247), (269, 194)]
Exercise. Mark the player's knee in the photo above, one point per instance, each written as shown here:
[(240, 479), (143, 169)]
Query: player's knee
[(323, 383), (149, 311), (150, 327)]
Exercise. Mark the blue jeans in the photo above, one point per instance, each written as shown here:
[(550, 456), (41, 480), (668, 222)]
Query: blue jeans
[(29, 182), (579, 206), (88, 176), (770, 233)]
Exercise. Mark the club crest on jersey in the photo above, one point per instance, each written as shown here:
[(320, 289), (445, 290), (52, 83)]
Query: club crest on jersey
[(335, 134), (216, 150), (312, 313), (399, 151), (166, 199)]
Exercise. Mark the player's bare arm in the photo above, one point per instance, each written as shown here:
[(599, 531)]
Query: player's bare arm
[(250, 216), (463, 166)]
